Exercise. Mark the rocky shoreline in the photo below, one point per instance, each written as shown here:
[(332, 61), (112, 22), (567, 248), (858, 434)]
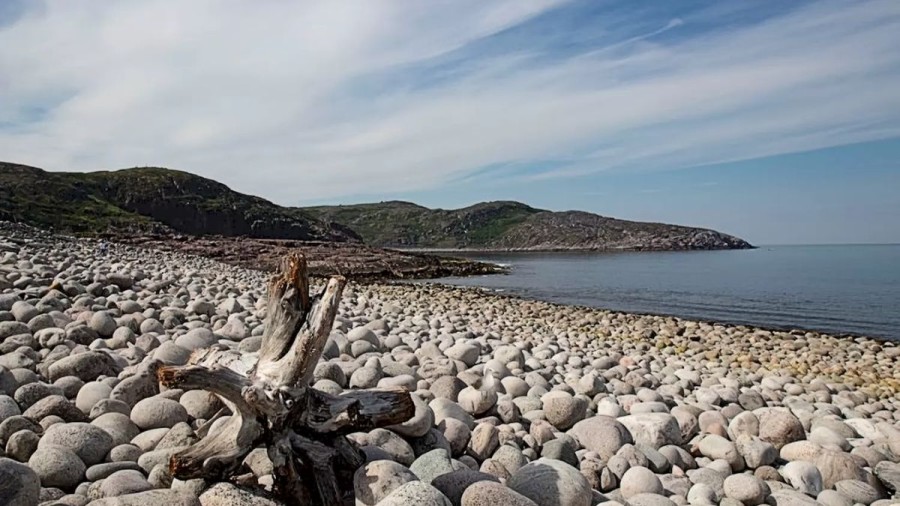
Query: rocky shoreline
[(355, 261), (518, 402)]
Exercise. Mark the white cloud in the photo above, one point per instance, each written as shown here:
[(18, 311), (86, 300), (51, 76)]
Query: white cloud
[(281, 98)]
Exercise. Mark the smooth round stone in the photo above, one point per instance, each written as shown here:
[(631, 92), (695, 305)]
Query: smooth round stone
[(650, 500), (653, 429), (432, 464), (447, 387), (416, 493), (226, 494), (836, 466), (755, 452), (445, 408), (833, 498), (489, 493), (825, 436), (196, 338), (717, 447), (363, 334), (70, 386), (702, 494), (455, 483), (89, 442), (19, 484), (8, 407), (365, 377), (484, 440), (170, 353), (420, 423), (22, 444), (100, 471), (85, 366), (477, 401), (200, 404), (90, 394), (466, 353), (708, 477), (127, 481), (57, 467), (601, 434), (800, 450), (117, 425), (639, 480), (55, 405), (147, 440), (376, 480), (399, 450), (156, 412), (746, 488), (552, 483), (563, 410), (857, 491), (779, 426), (803, 476), (457, 435), (510, 457), (105, 406), (103, 324), (560, 449)]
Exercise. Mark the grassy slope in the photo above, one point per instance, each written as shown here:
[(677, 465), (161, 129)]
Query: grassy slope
[(59, 201), (144, 199), (511, 225), (401, 224)]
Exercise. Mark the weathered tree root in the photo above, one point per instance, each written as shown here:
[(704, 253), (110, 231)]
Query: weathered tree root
[(273, 404)]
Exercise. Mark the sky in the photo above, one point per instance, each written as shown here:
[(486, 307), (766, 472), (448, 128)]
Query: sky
[(775, 121)]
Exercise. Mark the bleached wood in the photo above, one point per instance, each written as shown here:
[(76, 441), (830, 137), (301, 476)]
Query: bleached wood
[(272, 403)]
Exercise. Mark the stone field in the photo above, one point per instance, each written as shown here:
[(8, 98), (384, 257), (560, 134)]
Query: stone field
[(518, 402)]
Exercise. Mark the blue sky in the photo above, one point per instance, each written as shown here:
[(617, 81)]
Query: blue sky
[(775, 121)]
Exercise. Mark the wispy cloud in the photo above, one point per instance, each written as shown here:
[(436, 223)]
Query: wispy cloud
[(316, 99)]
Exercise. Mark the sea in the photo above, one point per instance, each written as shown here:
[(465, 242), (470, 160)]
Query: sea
[(839, 289)]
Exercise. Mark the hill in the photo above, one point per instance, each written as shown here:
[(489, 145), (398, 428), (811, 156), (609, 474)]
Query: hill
[(514, 226), (150, 199), (164, 201)]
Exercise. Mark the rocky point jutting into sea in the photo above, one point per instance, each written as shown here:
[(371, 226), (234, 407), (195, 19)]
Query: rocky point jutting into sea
[(517, 402)]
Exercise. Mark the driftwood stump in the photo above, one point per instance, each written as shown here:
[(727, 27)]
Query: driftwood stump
[(273, 405)]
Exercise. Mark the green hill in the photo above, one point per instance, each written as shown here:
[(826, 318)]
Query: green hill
[(162, 200), (514, 226), (150, 199)]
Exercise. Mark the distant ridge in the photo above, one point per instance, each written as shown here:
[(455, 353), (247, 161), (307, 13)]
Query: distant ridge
[(150, 199), (153, 199), (506, 225)]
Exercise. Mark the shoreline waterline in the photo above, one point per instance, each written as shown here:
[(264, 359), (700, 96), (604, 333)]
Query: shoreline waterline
[(842, 290), (795, 331)]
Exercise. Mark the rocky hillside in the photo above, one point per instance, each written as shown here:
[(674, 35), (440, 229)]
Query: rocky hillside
[(514, 226), (155, 200), (150, 200)]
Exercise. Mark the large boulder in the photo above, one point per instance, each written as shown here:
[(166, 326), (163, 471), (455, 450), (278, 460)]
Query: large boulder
[(226, 494), (376, 480), (489, 493), (85, 366), (415, 493), (779, 426), (563, 410), (601, 434), (551, 482), (653, 429), (57, 467), (166, 497), (19, 484), (89, 442)]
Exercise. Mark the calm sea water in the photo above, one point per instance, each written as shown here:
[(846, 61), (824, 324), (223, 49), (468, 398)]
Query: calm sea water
[(852, 289)]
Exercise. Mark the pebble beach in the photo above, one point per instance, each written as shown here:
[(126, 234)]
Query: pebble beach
[(518, 402)]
